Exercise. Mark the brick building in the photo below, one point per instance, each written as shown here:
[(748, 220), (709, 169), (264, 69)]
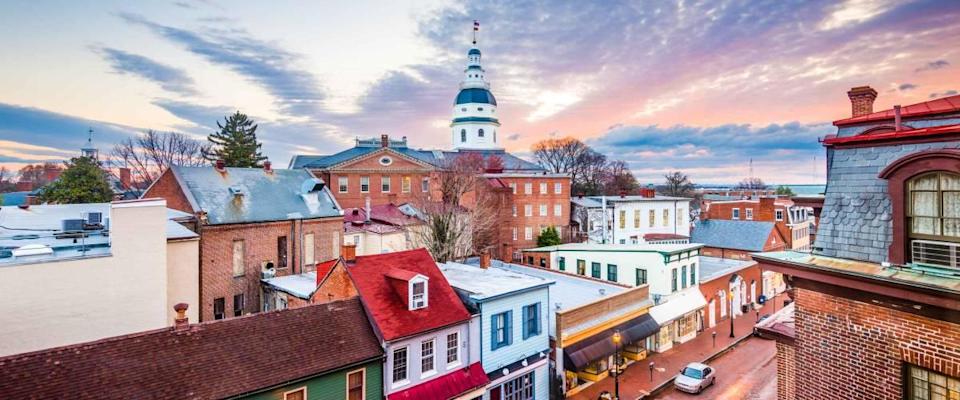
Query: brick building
[(877, 304), (793, 222), (728, 285), (252, 222)]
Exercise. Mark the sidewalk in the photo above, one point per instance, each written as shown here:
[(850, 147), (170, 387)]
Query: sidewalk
[(635, 381)]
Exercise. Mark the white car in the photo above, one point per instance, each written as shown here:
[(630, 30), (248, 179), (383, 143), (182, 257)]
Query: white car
[(694, 378)]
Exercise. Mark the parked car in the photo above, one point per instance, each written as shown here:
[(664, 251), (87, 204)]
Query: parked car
[(694, 378)]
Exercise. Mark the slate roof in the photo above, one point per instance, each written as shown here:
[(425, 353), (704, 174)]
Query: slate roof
[(388, 310), (937, 106), (210, 360), (437, 158), (730, 234), (275, 196)]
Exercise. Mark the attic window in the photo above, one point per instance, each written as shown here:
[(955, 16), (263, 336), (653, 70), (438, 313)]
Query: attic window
[(418, 294), (386, 161)]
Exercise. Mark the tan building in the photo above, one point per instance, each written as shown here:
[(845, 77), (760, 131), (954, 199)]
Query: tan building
[(80, 272)]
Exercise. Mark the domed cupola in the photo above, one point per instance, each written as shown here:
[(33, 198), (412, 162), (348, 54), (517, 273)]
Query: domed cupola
[(475, 124)]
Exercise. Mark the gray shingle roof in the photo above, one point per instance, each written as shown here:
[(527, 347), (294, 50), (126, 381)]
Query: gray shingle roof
[(727, 234), (433, 157), (261, 196)]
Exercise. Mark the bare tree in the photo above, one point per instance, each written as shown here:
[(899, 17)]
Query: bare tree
[(560, 156), (6, 183), (37, 174), (618, 178), (677, 184), (152, 152), (751, 184)]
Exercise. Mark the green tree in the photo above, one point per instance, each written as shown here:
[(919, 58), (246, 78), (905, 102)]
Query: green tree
[(549, 237), (783, 190), (236, 142), (82, 182)]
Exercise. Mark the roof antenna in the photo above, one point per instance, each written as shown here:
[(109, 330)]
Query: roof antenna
[(476, 28)]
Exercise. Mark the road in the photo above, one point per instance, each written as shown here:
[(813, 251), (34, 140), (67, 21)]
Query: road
[(745, 372)]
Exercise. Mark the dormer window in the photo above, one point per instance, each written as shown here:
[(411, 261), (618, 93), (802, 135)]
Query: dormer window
[(418, 294)]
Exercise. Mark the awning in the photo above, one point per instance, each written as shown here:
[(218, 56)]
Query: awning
[(445, 387), (581, 353), (678, 305)]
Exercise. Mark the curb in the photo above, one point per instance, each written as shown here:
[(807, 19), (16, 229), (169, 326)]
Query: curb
[(712, 357)]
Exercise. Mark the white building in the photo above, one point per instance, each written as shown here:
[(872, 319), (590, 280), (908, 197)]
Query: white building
[(645, 218), (475, 123), (81, 272)]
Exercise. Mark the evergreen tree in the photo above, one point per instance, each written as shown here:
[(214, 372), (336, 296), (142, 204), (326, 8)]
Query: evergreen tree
[(82, 182), (236, 142), (549, 237), (784, 190)]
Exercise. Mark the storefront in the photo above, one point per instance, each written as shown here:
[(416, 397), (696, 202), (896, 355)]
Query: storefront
[(591, 359), (679, 319)]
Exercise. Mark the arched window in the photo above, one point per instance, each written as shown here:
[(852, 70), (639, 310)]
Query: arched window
[(480, 133), (933, 206), (463, 135)]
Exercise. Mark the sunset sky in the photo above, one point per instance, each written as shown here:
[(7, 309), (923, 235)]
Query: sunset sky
[(701, 88)]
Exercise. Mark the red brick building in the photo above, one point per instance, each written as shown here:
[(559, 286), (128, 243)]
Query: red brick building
[(794, 223), (877, 305), (729, 286), (252, 222)]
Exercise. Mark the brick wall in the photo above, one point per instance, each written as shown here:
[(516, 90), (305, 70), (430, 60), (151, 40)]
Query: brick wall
[(535, 221), (369, 166), (166, 187), (337, 286), (725, 253), (710, 290), (260, 245), (533, 258), (846, 349), (786, 372), (764, 209)]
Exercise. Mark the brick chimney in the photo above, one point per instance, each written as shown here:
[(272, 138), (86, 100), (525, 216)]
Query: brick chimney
[(267, 166), (861, 100), (349, 252), (648, 193), (485, 259), (766, 211), (124, 177), (623, 193), (181, 322), (384, 141), (897, 122)]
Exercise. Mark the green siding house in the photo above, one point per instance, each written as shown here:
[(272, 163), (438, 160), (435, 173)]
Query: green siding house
[(366, 383)]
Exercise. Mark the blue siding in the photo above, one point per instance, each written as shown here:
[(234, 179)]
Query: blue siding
[(494, 359)]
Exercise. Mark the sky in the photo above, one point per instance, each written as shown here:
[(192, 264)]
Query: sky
[(699, 87)]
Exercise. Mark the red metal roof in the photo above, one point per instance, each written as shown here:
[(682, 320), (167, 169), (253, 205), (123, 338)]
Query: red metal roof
[(895, 135), (388, 310), (446, 387), (938, 106), (385, 213)]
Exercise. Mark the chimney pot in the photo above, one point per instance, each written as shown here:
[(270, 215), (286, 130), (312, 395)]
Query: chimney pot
[(861, 100), (220, 165), (267, 166), (485, 259), (349, 252), (384, 141), (125, 180), (897, 118), (181, 322)]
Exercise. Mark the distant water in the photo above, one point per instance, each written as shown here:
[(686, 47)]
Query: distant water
[(805, 190)]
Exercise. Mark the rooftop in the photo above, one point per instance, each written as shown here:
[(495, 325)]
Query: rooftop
[(299, 285), (436, 158), (484, 284), (671, 248), (200, 361), (937, 106), (732, 234), (713, 267), (781, 325), (597, 201)]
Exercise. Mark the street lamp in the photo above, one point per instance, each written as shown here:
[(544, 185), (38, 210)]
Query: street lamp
[(731, 314), (714, 339), (616, 354)]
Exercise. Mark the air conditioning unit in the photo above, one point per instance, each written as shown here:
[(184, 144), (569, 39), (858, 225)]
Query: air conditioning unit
[(936, 254), (267, 270)]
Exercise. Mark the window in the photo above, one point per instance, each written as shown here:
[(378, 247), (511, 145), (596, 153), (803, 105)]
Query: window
[(238, 256), (463, 135), (528, 188), (531, 320), (425, 185), (641, 277), (666, 217), (581, 267), (557, 188), (562, 263), (528, 210), (595, 270), (514, 233), (636, 218), (405, 184), (925, 384), (308, 250), (679, 216), (557, 210), (933, 207), (543, 210), (342, 183), (418, 294), (238, 305), (623, 219), (528, 233), (399, 365), (513, 187), (693, 274), (683, 277), (779, 215), (653, 218), (749, 212), (282, 252), (453, 348), (543, 262), (501, 330), (426, 356), (385, 184), (480, 132), (736, 213), (514, 210), (673, 280), (218, 305), (543, 188), (521, 388), (612, 272), (364, 184), (355, 381), (296, 394)]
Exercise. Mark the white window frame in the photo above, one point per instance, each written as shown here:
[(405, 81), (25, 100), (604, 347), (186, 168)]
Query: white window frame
[(385, 181), (557, 188), (405, 183), (364, 181), (363, 385), (528, 188), (514, 210), (557, 210), (432, 357), (455, 348), (543, 210), (425, 185), (514, 233), (748, 214), (528, 210), (299, 389), (779, 214), (735, 213), (343, 184), (513, 187), (528, 233), (543, 188), (406, 366), (412, 300)]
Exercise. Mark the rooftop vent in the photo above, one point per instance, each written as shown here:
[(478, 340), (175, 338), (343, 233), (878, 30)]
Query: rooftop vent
[(311, 185), (236, 190)]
